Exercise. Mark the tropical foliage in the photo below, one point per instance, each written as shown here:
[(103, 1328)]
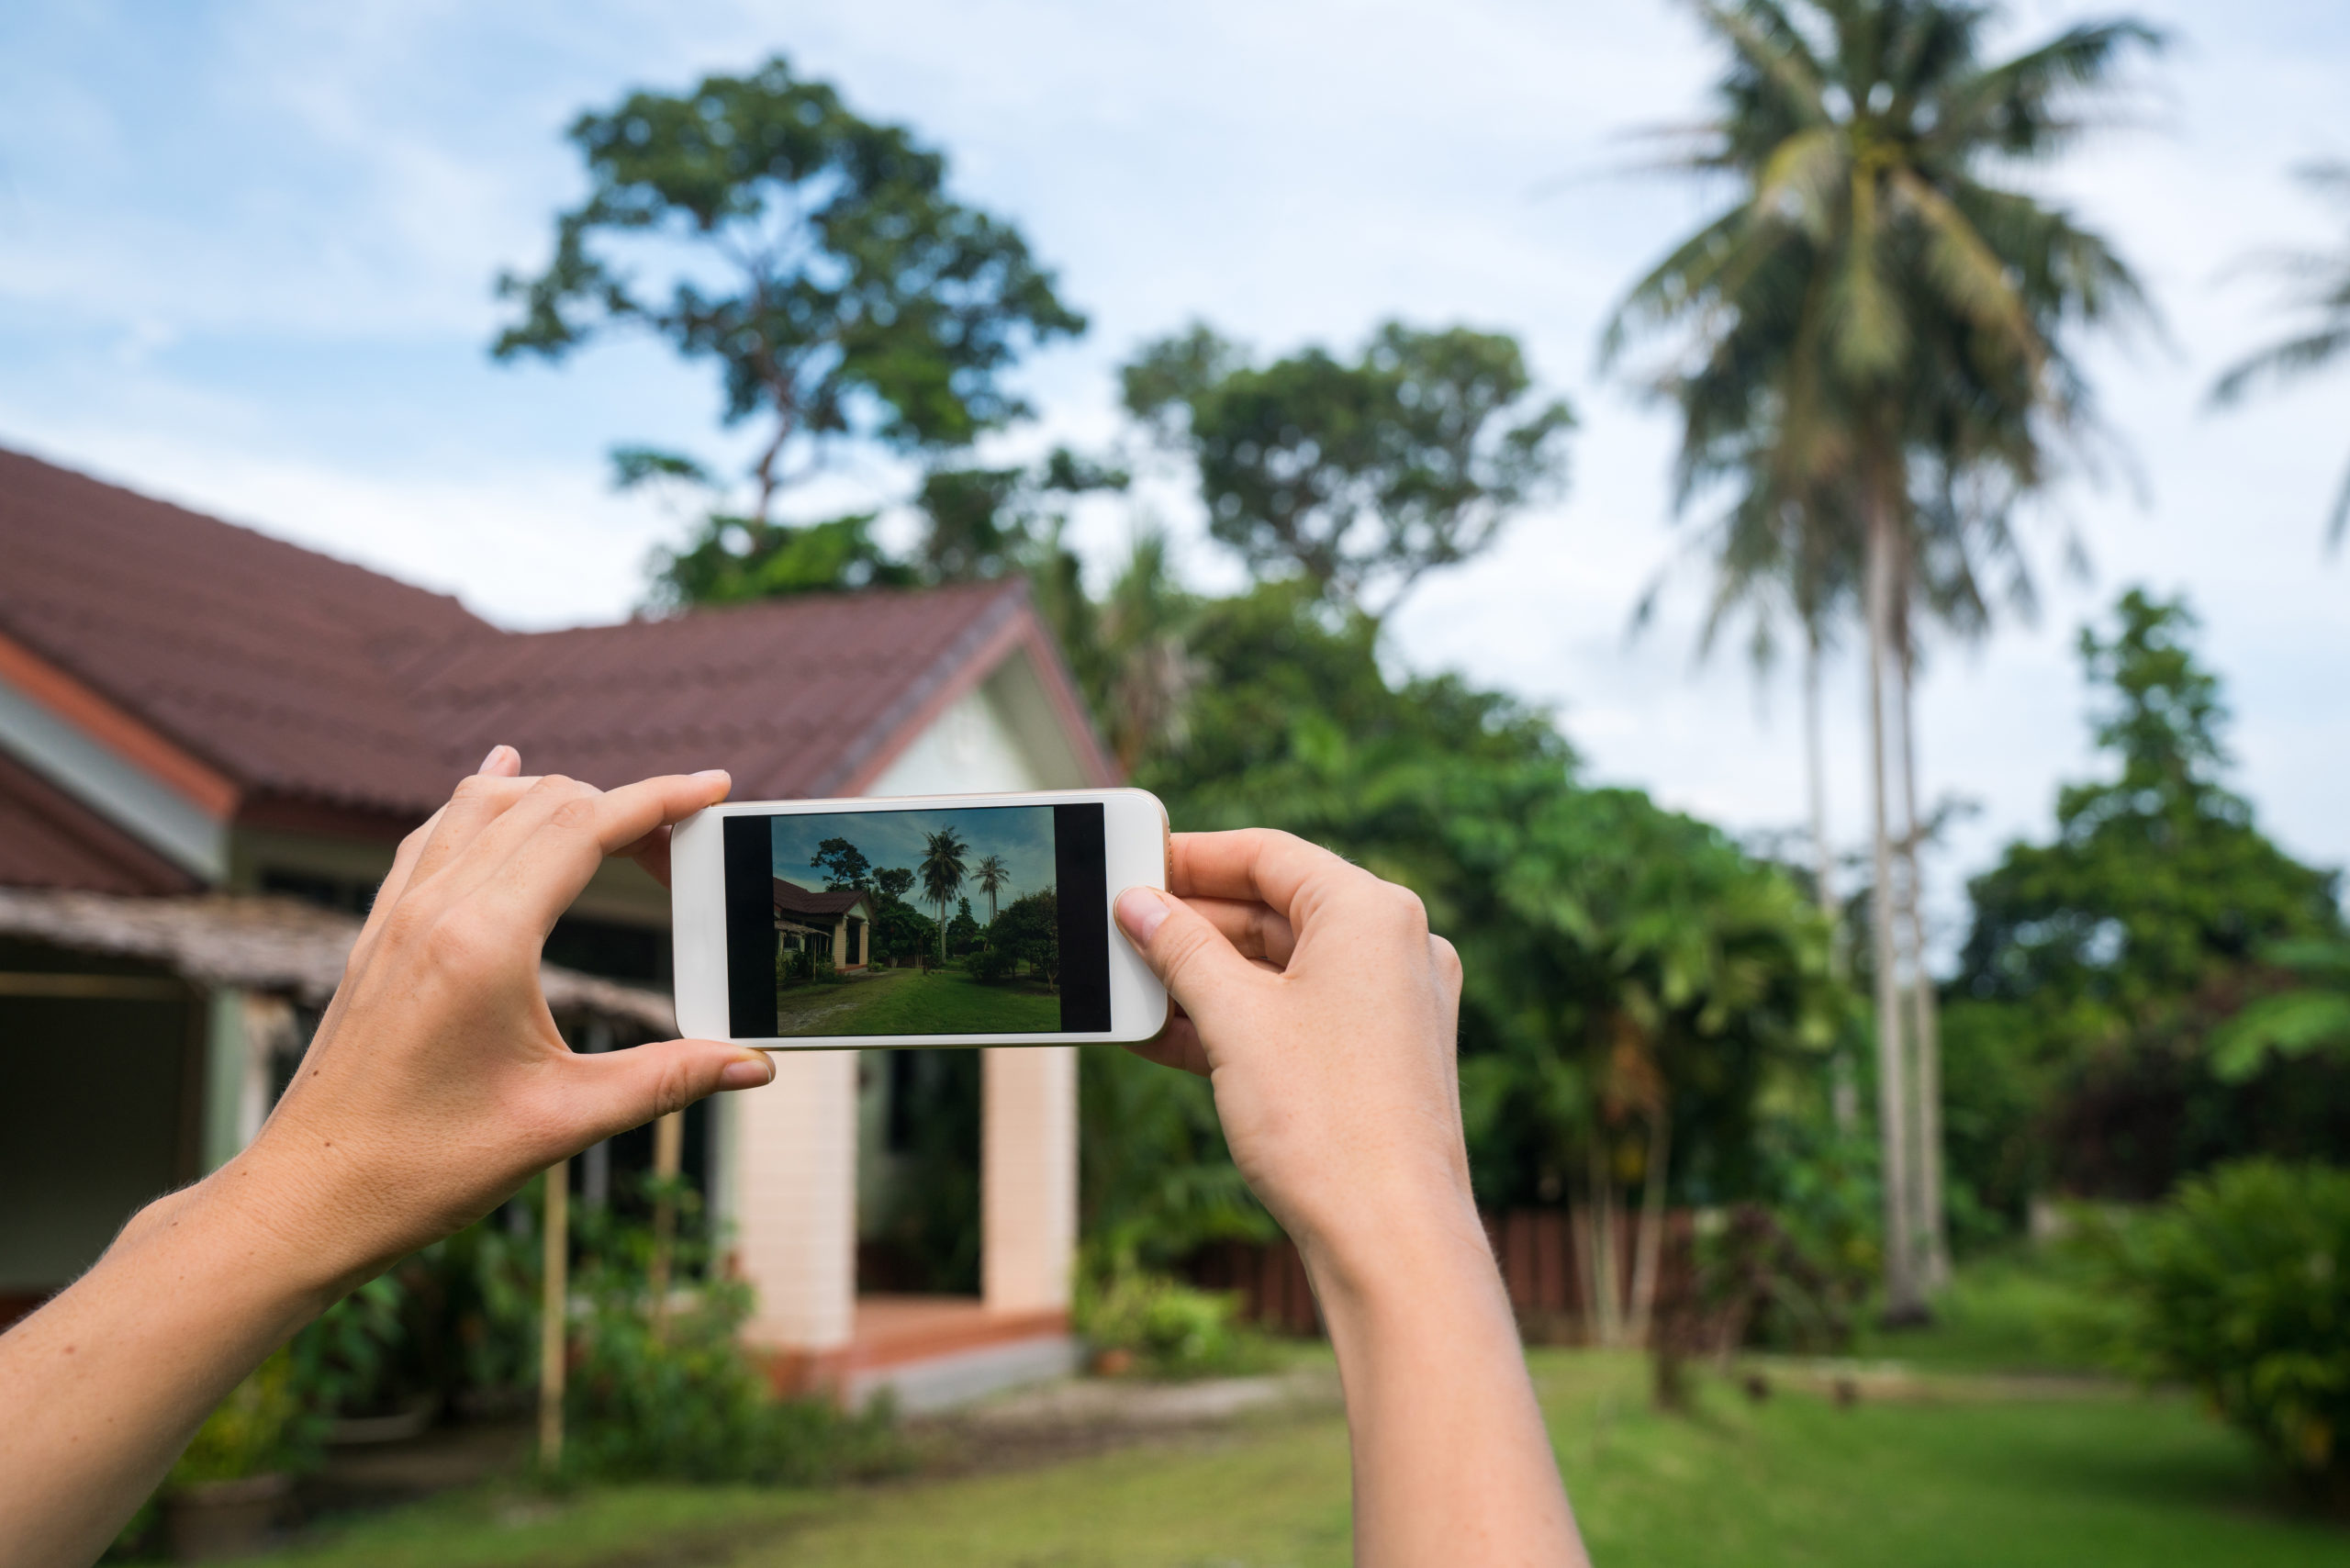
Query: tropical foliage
[(1363, 476), (2105, 967), (2317, 284), (817, 259), (1869, 347), (2240, 1287)]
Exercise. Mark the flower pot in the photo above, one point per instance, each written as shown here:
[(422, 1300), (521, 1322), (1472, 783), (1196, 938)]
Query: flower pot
[(1114, 1362), (224, 1518)]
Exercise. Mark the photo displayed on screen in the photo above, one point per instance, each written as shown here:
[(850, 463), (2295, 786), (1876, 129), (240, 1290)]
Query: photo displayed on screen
[(916, 922)]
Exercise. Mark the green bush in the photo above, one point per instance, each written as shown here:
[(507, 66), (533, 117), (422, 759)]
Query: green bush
[(2240, 1286), (990, 965), (676, 1397), (1170, 1329), (259, 1428)]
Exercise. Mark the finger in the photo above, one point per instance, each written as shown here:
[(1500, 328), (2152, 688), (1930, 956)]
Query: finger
[(479, 800), (1254, 930), (1201, 969), (553, 844), (1177, 1046), (501, 762), (1253, 864), (652, 851), (611, 1091)]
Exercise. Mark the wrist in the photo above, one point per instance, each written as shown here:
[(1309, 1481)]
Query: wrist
[(1384, 1257)]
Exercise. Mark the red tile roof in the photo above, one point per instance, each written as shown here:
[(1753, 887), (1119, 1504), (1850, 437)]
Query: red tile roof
[(303, 677), (790, 898), (47, 839)]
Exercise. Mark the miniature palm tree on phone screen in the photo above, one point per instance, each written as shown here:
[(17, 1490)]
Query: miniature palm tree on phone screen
[(993, 876), (942, 875)]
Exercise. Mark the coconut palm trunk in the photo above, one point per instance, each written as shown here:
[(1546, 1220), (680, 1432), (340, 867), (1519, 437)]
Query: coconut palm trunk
[(1933, 1225), (1902, 1298), (1843, 1093)]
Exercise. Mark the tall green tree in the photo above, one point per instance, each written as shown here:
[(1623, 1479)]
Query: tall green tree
[(1633, 976), (2102, 965), (942, 871), (815, 258), (1362, 476), (992, 877), (1877, 326)]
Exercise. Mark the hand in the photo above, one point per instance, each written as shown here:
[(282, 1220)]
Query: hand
[(437, 1083), (1324, 1013), (1313, 996)]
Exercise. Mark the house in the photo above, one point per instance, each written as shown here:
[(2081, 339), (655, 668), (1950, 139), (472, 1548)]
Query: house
[(835, 924), (210, 743)]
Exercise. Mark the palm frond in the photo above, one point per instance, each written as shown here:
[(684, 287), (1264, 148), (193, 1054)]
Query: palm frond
[(2282, 363)]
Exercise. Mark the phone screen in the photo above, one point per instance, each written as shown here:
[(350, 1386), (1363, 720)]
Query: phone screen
[(976, 920)]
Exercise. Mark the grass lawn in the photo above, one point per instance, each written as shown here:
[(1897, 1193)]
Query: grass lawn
[(908, 1002), (2117, 1480)]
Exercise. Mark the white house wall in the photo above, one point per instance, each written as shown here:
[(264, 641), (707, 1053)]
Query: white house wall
[(969, 748)]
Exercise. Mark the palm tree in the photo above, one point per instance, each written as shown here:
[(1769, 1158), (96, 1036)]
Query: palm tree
[(942, 872), (1875, 328), (2319, 281), (993, 876)]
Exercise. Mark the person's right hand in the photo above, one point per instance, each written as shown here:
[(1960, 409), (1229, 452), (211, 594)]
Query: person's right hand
[(1318, 1003)]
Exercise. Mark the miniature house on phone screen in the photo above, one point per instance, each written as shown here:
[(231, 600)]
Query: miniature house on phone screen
[(211, 742)]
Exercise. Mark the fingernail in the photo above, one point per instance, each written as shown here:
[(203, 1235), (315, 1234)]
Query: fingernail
[(747, 1072), (490, 757), (1141, 911), (716, 776)]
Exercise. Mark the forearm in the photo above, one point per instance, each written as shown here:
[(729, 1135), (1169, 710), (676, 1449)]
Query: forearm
[(124, 1365), (1451, 1463)]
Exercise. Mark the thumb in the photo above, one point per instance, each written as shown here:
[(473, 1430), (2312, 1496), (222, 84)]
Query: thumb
[(611, 1091), (1200, 968)]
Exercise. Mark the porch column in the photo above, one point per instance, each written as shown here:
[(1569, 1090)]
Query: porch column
[(864, 943), (794, 1151), (1027, 1177)]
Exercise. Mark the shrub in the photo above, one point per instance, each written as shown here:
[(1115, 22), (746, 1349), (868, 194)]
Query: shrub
[(2240, 1286), (681, 1401), (257, 1429), (1170, 1329), (991, 965), (676, 1397)]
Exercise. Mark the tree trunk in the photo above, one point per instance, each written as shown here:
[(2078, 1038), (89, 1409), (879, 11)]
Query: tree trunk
[(1647, 1262), (1607, 1328), (1932, 1219), (554, 1298), (1902, 1299), (668, 1150), (1843, 1093)]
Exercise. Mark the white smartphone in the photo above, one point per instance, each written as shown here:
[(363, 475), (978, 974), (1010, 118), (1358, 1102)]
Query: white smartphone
[(940, 920)]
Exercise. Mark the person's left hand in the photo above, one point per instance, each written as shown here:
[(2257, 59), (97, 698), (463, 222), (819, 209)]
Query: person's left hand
[(437, 1083)]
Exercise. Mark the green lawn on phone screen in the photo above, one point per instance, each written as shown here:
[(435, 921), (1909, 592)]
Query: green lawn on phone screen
[(909, 1002)]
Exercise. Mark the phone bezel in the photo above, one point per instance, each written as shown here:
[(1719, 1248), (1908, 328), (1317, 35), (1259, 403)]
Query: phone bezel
[(1135, 846)]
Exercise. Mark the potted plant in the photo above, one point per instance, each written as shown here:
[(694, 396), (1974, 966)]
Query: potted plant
[(226, 1490)]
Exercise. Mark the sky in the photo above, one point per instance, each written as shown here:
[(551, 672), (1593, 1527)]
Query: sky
[(1022, 834), (247, 251)]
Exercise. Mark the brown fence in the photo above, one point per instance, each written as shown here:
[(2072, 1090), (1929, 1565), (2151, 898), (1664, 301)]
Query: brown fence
[(1541, 1253)]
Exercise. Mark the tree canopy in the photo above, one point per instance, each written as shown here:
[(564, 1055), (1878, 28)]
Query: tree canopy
[(1362, 476), (814, 257)]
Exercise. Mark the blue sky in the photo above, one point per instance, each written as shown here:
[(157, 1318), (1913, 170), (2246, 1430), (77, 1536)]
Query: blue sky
[(1022, 834), (246, 251)]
